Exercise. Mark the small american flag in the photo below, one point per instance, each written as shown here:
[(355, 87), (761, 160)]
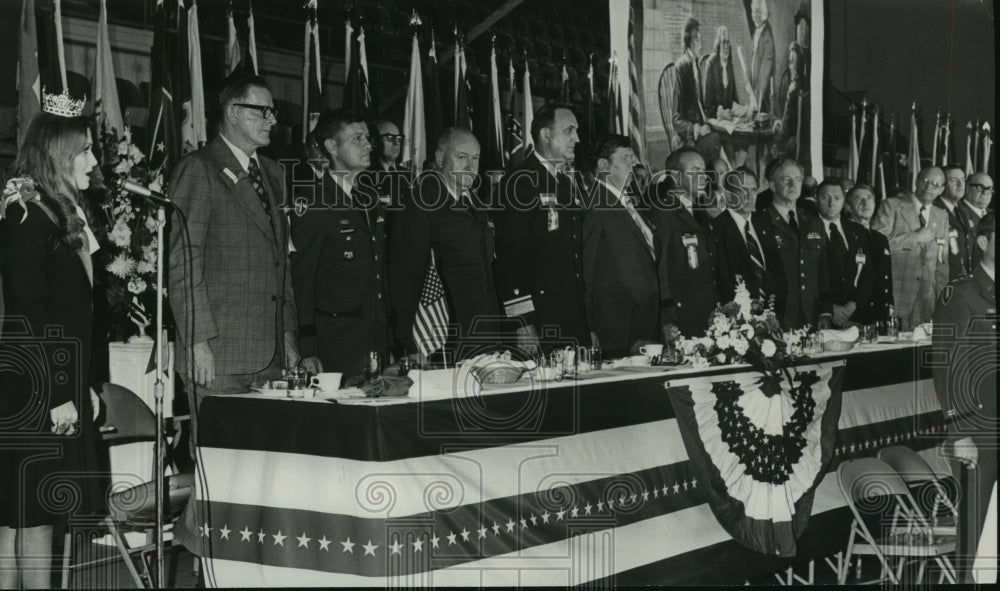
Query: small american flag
[(430, 327)]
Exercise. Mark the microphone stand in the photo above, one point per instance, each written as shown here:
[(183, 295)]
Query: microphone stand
[(158, 387)]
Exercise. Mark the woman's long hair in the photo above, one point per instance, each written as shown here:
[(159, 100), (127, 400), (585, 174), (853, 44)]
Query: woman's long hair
[(46, 155)]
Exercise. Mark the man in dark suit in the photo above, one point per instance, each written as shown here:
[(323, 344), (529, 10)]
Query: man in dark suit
[(861, 202), (339, 266), (445, 220), (961, 231), (230, 286), (762, 57), (851, 279), (965, 334), (539, 234), (795, 243), (685, 268), (619, 255), (690, 117), (978, 194), (738, 250)]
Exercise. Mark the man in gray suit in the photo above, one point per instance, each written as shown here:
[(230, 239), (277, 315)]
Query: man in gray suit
[(762, 56), (918, 241), (230, 287)]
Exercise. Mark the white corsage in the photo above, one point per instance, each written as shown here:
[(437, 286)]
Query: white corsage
[(18, 190)]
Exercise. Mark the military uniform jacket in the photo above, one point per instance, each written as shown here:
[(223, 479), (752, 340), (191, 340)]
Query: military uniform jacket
[(877, 307), (539, 240), (340, 282), (961, 239), (801, 267), (461, 237)]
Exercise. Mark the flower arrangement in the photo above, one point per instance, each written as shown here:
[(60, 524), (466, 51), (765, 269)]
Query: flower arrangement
[(127, 259), (745, 330)]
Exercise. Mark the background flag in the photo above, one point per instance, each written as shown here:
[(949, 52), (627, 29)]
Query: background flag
[(310, 89), (430, 326), (109, 111), (893, 175), (636, 110), (874, 147), (913, 154), (588, 101), (60, 50), (463, 107), (415, 143), (164, 145), (29, 84), (182, 87), (614, 99), (495, 155), (564, 84), (348, 45), (252, 41), (433, 111), (528, 110), (232, 42), (852, 151), (514, 142), (937, 139), (357, 94), (195, 130), (969, 168), (987, 144)]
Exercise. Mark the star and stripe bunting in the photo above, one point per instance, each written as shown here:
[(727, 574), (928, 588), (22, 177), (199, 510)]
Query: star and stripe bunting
[(385, 496)]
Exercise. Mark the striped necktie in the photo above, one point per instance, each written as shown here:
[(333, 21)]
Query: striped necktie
[(257, 181), (646, 232), (756, 255)]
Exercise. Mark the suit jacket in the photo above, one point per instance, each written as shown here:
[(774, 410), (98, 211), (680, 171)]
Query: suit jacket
[(620, 277), (762, 67), (339, 276), (733, 258), (461, 237), (238, 295), (851, 277), (972, 218), (688, 295), (539, 269), (918, 272), (879, 305), (687, 114), (717, 94), (801, 267), (963, 230)]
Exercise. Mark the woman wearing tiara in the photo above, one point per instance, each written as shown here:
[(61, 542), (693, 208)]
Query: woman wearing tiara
[(50, 467)]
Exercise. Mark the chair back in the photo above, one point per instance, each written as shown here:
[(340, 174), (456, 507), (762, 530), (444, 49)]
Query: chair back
[(907, 463), (865, 478), (127, 417)]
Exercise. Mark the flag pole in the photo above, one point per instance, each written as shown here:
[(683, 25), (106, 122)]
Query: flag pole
[(937, 137)]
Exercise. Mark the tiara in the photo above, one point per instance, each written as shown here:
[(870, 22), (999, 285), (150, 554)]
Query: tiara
[(63, 104)]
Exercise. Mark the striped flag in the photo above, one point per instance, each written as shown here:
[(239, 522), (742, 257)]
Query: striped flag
[(636, 110), (415, 143), (252, 41), (913, 155), (109, 111), (29, 84), (232, 42), (430, 326), (164, 144)]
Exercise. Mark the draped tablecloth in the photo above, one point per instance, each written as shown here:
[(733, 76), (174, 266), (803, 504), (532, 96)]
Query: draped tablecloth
[(553, 484)]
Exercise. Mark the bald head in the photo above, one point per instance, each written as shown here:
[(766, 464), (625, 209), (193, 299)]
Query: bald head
[(930, 184), (457, 157), (979, 190)]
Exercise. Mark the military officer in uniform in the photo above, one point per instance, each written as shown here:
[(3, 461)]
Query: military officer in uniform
[(794, 241), (861, 203), (965, 335), (338, 270), (686, 267), (539, 235)]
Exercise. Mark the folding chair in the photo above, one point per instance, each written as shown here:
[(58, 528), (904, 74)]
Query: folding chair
[(871, 484), (915, 471), (129, 420)]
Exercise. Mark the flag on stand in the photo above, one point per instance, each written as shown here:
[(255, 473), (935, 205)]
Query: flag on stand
[(564, 84), (614, 99), (348, 45), (414, 131), (434, 113), (913, 154), (969, 168), (588, 101), (232, 42), (50, 62), (987, 144), (311, 77), (945, 139), (430, 326), (106, 106), (495, 155), (852, 150), (164, 147), (60, 50), (252, 41), (29, 84), (463, 106), (528, 110), (194, 129), (357, 95), (636, 111), (514, 142), (858, 172), (937, 139), (893, 177), (874, 147), (183, 84)]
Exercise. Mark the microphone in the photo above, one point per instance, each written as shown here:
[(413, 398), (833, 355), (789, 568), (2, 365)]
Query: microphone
[(137, 189)]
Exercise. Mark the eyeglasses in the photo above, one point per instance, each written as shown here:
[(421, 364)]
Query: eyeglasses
[(265, 111), (393, 137), (982, 188), (935, 185)]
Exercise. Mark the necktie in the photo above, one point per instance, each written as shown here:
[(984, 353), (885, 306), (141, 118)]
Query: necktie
[(756, 256), (923, 218), (258, 185), (837, 239), (792, 222), (646, 232)]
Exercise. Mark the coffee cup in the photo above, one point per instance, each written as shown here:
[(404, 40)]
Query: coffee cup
[(301, 393), (326, 382), (651, 350), (639, 360)]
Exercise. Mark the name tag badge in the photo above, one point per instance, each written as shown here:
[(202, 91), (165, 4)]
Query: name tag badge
[(547, 199), (690, 241), (860, 258), (553, 223), (347, 230), (813, 236)]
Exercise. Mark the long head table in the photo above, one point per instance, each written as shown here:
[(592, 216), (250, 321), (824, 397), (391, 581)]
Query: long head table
[(570, 483)]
